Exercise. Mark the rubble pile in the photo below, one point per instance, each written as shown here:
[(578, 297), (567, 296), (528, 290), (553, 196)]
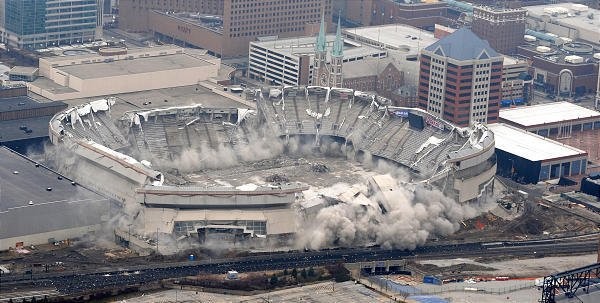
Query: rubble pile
[(277, 178), (319, 167)]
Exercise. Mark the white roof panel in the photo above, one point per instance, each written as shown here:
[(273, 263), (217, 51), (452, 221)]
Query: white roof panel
[(546, 113), (529, 145)]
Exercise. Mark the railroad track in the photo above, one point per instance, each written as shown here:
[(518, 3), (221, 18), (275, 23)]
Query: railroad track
[(106, 278)]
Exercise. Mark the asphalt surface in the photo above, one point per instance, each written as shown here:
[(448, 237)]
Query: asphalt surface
[(83, 282)]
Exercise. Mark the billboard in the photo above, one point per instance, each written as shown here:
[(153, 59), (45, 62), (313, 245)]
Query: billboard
[(400, 113), (434, 122)]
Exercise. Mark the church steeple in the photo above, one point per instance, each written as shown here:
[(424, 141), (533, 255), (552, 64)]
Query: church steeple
[(321, 45), (338, 44)]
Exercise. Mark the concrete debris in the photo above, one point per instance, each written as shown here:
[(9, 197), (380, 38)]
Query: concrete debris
[(319, 167), (277, 178)]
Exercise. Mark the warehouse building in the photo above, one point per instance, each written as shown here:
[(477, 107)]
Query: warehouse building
[(530, 158), (39, 206), (555, 120)]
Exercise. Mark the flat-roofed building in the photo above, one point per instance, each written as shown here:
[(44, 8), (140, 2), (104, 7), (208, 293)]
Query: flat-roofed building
[(569, 20), (565, 70), (402, 42), (291, 61), (23, 73), (503, 28), (516, 84), (530, 158), (91, 75), (24, 122), (40, 206), (556, 120)]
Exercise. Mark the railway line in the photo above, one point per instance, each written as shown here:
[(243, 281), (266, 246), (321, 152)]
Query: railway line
[(67, 283)]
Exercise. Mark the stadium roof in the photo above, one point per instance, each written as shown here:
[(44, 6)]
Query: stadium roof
[(530, 146), (548, 113), (463, 45)]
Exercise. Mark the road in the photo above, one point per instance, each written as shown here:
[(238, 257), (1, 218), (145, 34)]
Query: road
[(81, 282)]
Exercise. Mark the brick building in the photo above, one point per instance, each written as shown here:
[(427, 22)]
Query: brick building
[(223, 27), (460, 79), (502, 28), (382, 76), (379, 12)]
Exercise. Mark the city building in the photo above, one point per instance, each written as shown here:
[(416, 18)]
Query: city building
[(223, 27), (23, 73), (38, 24), (41, 206), (383, 76), (567, 69), (292, 61), (574, 21), (116, 70), (562, 42), (517, 84), (530, 158), (555, 120), (506, 4), (422, 14), (502, 28), (460, 79), (403, 42), (377, 59)]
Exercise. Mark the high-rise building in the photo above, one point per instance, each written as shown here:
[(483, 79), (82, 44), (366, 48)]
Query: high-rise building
[(36, 24), (378, 12), (502, 28), (224, 27), (460, 79)]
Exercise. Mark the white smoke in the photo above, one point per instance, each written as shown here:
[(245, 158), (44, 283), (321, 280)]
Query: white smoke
[(413, 214), (260, 146)]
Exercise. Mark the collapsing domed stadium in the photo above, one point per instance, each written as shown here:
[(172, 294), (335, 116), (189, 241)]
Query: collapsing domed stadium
[(195, 174)]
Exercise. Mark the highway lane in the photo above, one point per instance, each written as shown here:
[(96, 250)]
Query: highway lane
[(72, 283)]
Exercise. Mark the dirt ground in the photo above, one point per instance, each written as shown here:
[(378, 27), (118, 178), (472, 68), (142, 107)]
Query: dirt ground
[(525, 268)]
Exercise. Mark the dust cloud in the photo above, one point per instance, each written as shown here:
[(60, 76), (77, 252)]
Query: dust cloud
[(412, 214)]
